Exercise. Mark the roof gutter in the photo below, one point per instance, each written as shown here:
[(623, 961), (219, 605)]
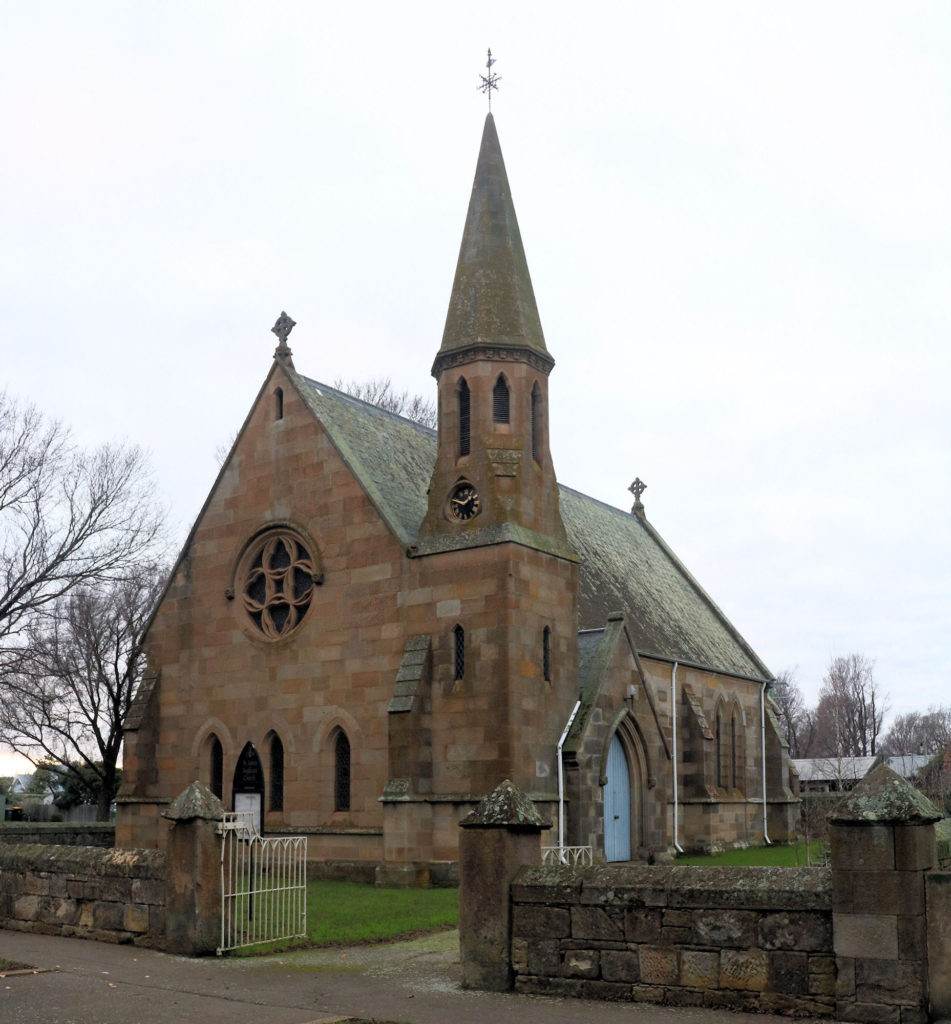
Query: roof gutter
[(561, 779)]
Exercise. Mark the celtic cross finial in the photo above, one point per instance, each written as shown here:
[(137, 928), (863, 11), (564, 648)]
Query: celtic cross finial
[(490, 81), (282, 328), (637, 489)]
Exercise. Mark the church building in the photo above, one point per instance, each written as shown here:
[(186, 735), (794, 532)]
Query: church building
[(372, 623)]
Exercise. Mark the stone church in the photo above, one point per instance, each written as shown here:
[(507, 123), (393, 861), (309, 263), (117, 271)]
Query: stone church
[(372, 623)]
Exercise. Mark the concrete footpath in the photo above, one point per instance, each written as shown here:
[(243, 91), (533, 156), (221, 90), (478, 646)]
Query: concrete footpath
[(84, 982)]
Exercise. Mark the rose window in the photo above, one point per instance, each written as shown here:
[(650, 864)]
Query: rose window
[(278, 583)]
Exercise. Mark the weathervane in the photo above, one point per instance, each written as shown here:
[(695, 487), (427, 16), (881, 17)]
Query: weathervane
[(489, 81), (282, 328), (637, 489)]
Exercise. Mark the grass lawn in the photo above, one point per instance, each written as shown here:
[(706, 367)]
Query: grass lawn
[(785, 856), (349, 913)]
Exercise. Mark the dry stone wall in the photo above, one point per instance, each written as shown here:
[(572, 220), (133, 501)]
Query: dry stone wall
[(745, 938), (82, 891)]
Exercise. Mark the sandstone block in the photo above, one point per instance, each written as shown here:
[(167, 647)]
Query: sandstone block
[(915, 847), (744, 969), (642, 925), (543, 958), (541, 922), (582, 963), (866, 935), (789, 972), (620, 966), (890, 982), (135, 918), (699, 968), (822, 975), (595, 923), (728, 928), (108, 917), (659, 965), (803, 931)]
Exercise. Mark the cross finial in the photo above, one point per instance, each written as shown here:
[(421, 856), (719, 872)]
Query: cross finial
[(637, 489), (489, 81), (282, 328)]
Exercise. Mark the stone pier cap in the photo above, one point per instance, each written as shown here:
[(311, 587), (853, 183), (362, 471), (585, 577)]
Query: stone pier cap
[(506, 807), (883, 797), (196, 801)]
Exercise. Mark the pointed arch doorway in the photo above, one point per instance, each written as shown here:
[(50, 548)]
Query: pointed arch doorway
[(248, 785), (617, 804)]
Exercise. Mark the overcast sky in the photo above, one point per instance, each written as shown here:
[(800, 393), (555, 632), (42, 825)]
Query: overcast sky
[(736, 217)]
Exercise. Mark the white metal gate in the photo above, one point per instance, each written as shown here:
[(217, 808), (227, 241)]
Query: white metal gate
[(263, 884)]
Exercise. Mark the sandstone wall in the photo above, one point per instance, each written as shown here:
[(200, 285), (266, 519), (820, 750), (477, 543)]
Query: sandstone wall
[(82, 891), (756, 939)]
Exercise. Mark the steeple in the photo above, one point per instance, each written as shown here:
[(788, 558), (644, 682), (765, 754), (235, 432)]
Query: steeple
[(493, 480), (492, 303)]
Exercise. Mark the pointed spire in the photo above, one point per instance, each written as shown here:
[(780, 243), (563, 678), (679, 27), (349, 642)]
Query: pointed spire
[(492, 302)]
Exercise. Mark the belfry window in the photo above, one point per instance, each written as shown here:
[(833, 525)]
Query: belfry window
[(500, 401), (459, 652), (546, 654), (464, 418), (342, 772), (278, 403), (536, 421)]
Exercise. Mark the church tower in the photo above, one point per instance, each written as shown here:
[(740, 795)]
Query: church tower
[(492, 548), (493, 478)]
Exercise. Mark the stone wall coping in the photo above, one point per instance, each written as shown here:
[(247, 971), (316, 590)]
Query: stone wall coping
[(753, 888), (14, 827), (82, 860)]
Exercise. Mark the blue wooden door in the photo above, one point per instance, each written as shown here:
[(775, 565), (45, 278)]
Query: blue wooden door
[(617, 805)]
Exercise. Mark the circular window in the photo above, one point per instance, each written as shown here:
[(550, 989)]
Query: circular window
[(276, 582)]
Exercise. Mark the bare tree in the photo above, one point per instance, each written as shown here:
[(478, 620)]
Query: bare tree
[(69, 518), (66, 705), (918, 733), (851, 709), (380, 391), (794, 716)]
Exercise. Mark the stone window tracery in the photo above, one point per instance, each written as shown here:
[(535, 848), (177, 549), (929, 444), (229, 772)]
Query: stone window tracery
[(277, 582)]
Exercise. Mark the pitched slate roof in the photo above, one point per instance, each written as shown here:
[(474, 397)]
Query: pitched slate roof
[(625, 565)]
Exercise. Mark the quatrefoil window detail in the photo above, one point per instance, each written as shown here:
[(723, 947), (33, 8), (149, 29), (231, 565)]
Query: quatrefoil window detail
[(278, 583)]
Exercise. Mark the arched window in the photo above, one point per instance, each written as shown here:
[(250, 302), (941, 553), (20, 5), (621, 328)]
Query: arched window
[(719, 743), (459, 652), (536, 421), (276, 802), (342, 772), (464, 418), (278, 403), (546, 654), (500, 401), (733, 749), (215, 765)]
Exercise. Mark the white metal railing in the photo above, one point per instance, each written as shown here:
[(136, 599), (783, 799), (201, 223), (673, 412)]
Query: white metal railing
[(263, 884), (573, 856)]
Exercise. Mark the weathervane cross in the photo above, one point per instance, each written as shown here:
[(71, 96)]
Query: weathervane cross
[(490, 81)]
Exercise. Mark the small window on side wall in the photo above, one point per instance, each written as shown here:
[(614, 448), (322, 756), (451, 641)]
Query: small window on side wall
[(342, 772), (276, 802), (536, 421), (459, 652), (546, 654), (215, 766)]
